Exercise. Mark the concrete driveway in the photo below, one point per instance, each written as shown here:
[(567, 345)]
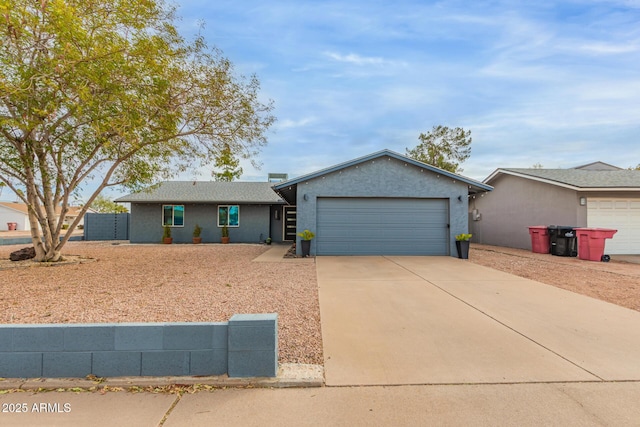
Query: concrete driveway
[(441, 320)]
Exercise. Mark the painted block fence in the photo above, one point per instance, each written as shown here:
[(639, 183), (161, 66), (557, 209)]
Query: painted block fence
[(245, 346)]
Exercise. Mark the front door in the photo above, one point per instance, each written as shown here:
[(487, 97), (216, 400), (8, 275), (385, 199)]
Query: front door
[(290, 223)]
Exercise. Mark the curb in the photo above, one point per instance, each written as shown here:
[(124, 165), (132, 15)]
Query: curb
[(290, 375)]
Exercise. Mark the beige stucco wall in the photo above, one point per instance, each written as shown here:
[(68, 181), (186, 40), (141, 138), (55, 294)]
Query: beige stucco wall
[(516, 203)]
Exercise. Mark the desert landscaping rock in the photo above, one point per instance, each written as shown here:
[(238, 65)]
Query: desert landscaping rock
[(211, 282), (615, 282), (169, 283), (23, 254)]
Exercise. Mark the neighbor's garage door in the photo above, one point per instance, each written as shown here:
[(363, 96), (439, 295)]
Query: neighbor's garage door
[(620, 214), (376, 226)]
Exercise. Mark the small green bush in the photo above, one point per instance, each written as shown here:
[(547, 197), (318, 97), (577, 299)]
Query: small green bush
[(307, 235)]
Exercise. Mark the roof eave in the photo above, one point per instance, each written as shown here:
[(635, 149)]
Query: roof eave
[(479, 185), (497, 173)]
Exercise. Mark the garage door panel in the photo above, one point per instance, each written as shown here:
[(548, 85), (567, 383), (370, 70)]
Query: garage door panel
[(620, 214), (358, 226)]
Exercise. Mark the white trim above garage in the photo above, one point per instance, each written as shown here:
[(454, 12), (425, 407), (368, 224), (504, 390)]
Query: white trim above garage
[(622, 214)]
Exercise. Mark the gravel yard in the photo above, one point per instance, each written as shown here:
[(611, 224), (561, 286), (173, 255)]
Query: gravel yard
[(168, 283), (191, 283), (615, 282)]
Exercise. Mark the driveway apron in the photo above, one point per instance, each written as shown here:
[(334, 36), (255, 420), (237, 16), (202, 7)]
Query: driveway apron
[(441, 320)]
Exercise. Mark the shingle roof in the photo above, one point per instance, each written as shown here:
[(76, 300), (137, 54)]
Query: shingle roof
[(578, 178), (21, 207), (205, 192)]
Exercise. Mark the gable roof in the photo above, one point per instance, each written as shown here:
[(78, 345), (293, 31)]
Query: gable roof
[(205, 192), (577, 179), (598, 166), (283, 188), (19, 207), (22, 208)]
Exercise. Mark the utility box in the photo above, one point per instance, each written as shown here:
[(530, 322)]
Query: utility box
[(539, 239), (591, 242)]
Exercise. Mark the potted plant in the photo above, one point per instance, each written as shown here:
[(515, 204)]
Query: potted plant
[(166, 237), (268, 241), (196, 234), (225, 234), (462, 245), (306, 237)]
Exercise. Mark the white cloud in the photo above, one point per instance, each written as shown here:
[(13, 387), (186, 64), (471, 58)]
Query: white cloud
[(361, 61), (291, 124), (601, 48)]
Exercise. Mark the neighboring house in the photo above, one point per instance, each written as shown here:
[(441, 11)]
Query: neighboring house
[(18, 213), (593, 195), (252, 211), (14, 212), (383, 203)]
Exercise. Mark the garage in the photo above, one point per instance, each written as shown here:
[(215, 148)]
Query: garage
[(383, 203), (382, 226), (620, 214)]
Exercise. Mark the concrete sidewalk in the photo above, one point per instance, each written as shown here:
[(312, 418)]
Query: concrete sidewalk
[(527, 404)]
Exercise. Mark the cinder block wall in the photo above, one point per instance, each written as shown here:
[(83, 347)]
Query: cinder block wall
[(246, 346)]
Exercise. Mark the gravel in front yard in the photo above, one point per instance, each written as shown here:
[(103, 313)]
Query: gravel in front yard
[(168, 283), (615, 282)]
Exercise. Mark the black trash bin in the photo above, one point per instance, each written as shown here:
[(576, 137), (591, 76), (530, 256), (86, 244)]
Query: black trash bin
[(562, 240)]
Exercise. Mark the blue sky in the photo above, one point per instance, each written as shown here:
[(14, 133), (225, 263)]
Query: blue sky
[(549, 82), (556, 83)]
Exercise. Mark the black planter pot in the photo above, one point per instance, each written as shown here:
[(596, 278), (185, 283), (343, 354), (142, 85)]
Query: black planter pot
[(306, 247), (463, 249)]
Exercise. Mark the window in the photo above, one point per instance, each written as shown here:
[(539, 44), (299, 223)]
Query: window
[(173, 215), (229, 216)]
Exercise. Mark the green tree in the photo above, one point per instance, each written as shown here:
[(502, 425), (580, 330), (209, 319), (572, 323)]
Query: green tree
[(443, 147), (228, 166), (109, 92), (537, 166), (102, 204)]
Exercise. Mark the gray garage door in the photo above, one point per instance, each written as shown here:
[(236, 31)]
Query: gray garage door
[(376, 226)]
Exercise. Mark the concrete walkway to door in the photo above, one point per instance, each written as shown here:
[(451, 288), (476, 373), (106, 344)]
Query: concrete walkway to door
[(441, 320)]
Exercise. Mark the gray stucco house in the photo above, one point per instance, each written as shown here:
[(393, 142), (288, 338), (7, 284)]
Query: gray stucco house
[(592, 195), (251, 211), (380, 204)]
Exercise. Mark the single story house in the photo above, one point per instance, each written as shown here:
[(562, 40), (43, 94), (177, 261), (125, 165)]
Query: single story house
[(383, 203), (252, 211), (592, 195), (18, 213)]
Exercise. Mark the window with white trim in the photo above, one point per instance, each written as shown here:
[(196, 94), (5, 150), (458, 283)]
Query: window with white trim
[(228, 215), (173, 215)]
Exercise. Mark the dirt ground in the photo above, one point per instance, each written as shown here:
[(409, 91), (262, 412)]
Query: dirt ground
[(172, 283), (166, 283), (615, 281)]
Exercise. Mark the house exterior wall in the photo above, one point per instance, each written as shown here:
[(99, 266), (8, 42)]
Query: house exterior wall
[(383, 177), (146, 223), (517, 203), (10, 215)]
